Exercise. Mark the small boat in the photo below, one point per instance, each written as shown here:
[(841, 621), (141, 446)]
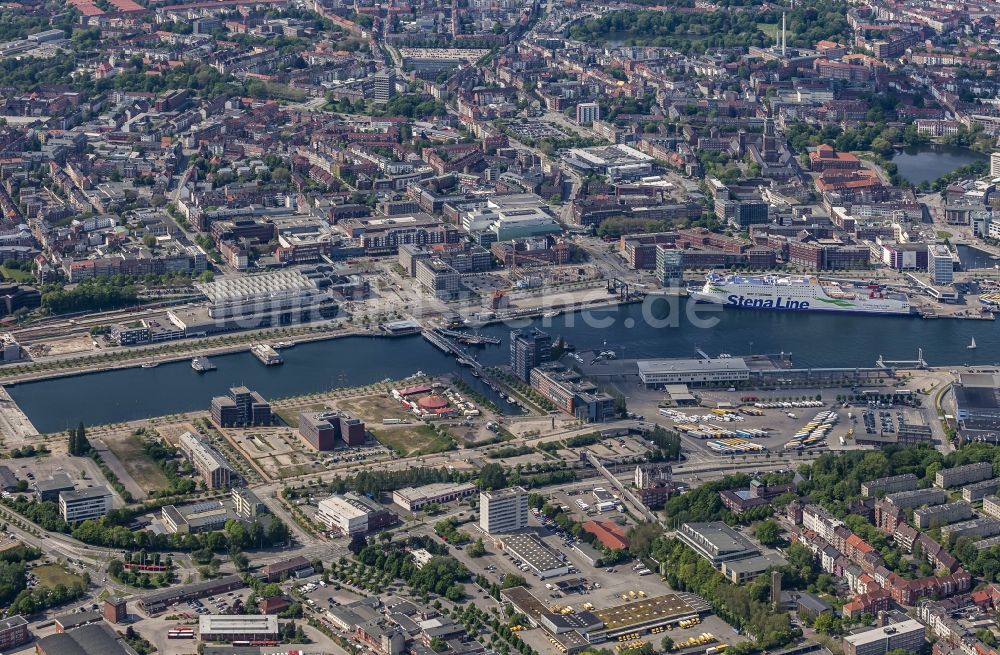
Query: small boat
[(550, 314), (972, 346), (150, 364), (202, 364), (475, 373), (284, 344)]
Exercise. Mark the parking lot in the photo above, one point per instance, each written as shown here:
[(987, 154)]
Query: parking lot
[(219, 604)]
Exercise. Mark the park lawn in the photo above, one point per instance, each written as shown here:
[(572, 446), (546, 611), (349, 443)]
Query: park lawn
[(372, 409), (50, 575), (17, 275), (141, 467), (412, 440)]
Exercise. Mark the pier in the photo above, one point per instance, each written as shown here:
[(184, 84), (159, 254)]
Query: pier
[(918, 363), (450, 347), (471, 338)]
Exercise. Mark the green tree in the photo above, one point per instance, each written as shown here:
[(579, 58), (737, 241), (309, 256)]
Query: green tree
[(492, 477), (477, 549), (768, 532)]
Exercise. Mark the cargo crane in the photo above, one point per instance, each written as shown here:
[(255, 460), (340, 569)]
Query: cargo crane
[(618, 286)]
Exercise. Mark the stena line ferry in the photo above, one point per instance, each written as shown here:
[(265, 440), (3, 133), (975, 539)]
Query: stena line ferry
[(798, 294)]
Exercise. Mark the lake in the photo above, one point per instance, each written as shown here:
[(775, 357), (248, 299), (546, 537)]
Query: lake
[(927, 163)]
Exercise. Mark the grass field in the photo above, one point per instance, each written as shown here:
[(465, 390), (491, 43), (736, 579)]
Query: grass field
[(16, 275), (50, 575), (290, 416), (413, 440), (137, 463), (771, 31), (374, 408)]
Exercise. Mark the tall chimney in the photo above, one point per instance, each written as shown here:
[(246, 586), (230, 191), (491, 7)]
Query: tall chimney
[(782, 34)]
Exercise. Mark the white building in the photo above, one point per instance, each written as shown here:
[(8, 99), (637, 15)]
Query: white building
[(229, 627), (349, 514), (83, 504), (995, 164), (413, 499), (504, 510), (692, 371), (940, 264), (587, 112)]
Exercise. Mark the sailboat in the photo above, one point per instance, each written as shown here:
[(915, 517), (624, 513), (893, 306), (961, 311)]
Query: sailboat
[(972, 346)]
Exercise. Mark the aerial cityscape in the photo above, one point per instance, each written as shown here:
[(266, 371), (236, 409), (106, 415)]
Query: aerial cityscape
[(503, 327)]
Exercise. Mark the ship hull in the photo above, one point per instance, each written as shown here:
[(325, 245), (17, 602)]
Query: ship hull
[(735, 300), (825, 310)]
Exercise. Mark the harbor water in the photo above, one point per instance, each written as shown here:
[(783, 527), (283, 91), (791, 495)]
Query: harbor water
[(815, 339)]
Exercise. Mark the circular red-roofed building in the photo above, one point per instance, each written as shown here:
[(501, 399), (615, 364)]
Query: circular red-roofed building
[(432, 403)]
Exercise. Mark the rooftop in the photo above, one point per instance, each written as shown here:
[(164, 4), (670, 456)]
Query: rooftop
[(230, 623), (878, 634)]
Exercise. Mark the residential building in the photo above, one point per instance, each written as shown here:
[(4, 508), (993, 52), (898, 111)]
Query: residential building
[(83, 504), (503, 510), (385, 85), (927, 517), (961, 475), (991, 506), (880, 486), (978, 490), (587, 112)]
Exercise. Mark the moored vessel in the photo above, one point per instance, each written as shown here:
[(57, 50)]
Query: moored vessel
[(799, 293), (266, 354)]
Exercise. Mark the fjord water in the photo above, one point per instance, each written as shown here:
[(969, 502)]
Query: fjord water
[(815, 340)]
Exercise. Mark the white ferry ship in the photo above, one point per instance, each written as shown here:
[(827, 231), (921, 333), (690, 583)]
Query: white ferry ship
[(798, 294)]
